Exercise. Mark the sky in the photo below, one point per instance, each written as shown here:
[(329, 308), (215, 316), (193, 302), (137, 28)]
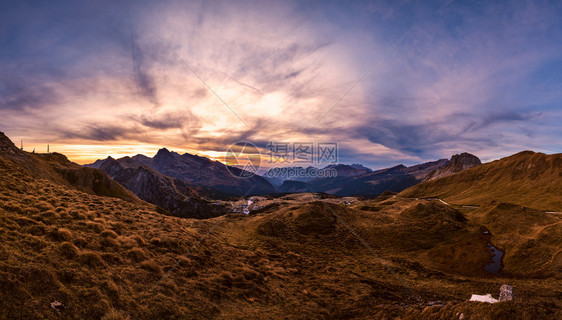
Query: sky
[(389, 81)]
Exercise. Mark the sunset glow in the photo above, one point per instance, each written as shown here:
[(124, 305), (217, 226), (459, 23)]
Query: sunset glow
[(198, 76)]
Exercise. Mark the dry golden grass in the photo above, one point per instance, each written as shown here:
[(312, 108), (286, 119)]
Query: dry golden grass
[(105, 259), (527, 178)]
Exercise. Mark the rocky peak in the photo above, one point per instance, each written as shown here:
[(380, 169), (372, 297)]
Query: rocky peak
[(163, 153), (109, 163), (458, 163), (463, 161)]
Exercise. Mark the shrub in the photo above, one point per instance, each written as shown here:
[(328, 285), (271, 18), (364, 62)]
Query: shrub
[(80, 208), (77, 215), (31, 211), (127, 242), (65, 234), (49, 214), (44, 206), (109, 234), (69, 250), (81, 242), (115, 315), (23, 221), (118, 227), (96, 227), (112, 258), (152, 266), (39, 280), (136, 254), (13, 207), (97, 308), (64, 215), (140, 241), (169, 284), (248, 273), (34, 243), (111, 290), (60, 235), (36, 230), (108, 242), (91, 259)]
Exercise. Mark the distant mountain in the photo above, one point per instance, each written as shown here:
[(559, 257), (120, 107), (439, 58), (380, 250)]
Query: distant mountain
[(357, 180), (344, 170), (290, 186), (372, 184), (275, 182), (458, 163), (177, 197), (526, 178), (203, 172), (277, 175)]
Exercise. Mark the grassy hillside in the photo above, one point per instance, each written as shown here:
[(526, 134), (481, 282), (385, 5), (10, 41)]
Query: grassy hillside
[(85, 179), (532, 239), (103, 257), (527, 178)]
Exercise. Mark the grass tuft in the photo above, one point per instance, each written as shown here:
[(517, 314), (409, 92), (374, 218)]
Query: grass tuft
[(60, 234), (114, 314), (136, 254), (69, 250), (152, 266), (109, 234), (91, 259)]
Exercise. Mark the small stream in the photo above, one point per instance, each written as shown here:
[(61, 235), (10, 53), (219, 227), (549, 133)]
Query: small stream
[(496, 265)]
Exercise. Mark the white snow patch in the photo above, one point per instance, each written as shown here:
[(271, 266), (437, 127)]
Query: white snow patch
[(483, 298)]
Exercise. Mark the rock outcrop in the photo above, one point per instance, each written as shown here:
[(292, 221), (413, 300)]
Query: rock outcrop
[(506, 293), (458, 163)]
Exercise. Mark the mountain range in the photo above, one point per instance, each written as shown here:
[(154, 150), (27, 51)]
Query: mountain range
[(186, 179), (277, 175), (174, 195), (198, 171), (353, 181)]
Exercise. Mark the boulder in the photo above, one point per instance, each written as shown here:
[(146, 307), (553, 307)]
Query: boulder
[(506, 293)]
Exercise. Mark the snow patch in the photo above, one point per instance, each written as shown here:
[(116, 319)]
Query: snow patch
[(483, 298)]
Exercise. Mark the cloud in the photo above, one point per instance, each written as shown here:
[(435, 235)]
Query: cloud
[(100, 132), (19, 94), (466, 78), (505, 116), (184, 122), (145, 83)]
